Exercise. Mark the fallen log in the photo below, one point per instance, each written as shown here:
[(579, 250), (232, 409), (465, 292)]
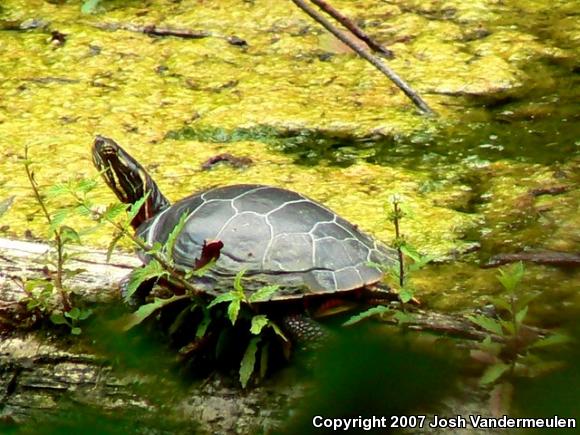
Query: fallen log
[(42, 372)]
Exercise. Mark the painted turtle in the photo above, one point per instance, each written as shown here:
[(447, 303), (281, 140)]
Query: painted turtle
[(276, 235)]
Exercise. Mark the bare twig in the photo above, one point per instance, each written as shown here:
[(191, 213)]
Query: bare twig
[(375, 61), (154, 30), (350, 25)]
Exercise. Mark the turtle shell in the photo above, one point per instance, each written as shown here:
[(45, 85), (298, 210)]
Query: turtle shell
[(276, 235)]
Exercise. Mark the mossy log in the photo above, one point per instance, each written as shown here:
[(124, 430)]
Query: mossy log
[(41, 371)]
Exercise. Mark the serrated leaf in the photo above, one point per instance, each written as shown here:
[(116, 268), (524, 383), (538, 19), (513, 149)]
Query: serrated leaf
[(83, 210), (116, 237), (264, 359), (511, 277), (493, 373), (501, 303), (259, 321), (151, 270), (552, 340), (487, 323), (521, 315), (85, 185), (411, 252), (170, 243), (401, 317), (90, 6), (264, 294), (378, 266), (5, 204), (113, 211), (69, 235), (144, 311), (508, 326), (58, 217), (179, 319), (226, 297), (204, 324), (374, 311), (58, 319), (405, 294), (57, 190), (278, 331), (234, 310), (238, 281), (32, 284), (248, 361), (136, 206)]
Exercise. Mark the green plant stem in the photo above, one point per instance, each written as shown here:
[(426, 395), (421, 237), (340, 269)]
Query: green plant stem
[(170, 269), (396, 217), (57, 238)]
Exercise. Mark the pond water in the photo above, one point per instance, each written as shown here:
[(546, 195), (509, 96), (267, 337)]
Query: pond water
[(502, 76)]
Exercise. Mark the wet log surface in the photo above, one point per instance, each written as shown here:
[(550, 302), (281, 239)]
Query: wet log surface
[(42, 371)]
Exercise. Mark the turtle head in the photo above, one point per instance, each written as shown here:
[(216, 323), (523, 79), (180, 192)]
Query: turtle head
[(127, 178)]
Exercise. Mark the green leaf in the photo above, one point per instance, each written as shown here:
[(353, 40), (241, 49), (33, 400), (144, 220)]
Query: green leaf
[(511, 277), (136, 206), (487, 323), (401, 317), (58, 217), (259, 321), (76, 330), (552, 340), (521, 315), (204, 324), (493, 373), (113, 211), (248, 361), (234, 310), (5, 204), (69, 235), (57, 190), (73, 313), (85, 185), (411, 252), (58, 319), (90, 6), (151, 270), (170, 244), (179, 319), (264, 359), (405, 294), (226, 297), (144, 311), (278, 331), (264, 294), (501, 303), (116, 237), (380, 267), (381, 309), (238, 281), (85, 314)]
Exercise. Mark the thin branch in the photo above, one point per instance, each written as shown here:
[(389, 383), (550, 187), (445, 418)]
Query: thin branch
[(350, 25), (154, 30), (375, 61)]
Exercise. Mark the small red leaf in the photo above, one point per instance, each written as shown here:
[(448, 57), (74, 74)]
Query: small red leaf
[(210, 252)]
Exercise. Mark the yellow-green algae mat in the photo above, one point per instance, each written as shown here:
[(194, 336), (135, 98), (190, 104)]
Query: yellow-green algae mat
[(136, 89)]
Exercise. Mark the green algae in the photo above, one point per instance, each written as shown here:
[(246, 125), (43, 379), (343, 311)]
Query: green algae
[(316, 119)]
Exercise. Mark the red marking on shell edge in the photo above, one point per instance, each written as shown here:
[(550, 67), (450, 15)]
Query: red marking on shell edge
[(210, 252)]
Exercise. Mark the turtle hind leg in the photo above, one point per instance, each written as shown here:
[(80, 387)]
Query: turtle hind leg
[(304, 330)]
